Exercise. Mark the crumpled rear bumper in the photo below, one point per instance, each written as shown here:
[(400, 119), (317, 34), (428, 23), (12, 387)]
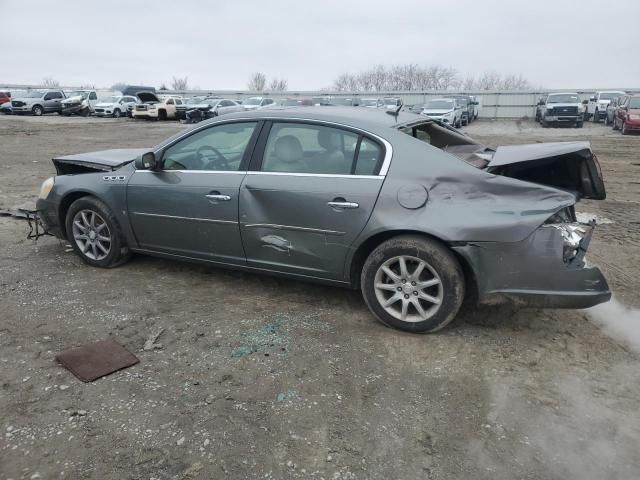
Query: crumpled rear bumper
[(533, 272)]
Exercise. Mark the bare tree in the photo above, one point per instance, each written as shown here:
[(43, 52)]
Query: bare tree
[(50, 82), (163, 87), (257, 82), (412, 77), (278, 85), (180, 84)]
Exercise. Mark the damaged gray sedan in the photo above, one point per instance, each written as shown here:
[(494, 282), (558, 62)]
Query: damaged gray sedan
[(416, 215)]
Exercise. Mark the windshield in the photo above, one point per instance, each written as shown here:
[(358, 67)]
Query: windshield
[(369, 102), (193, 100), (34, 94), (563, 98), (462, 100), (342, 101), (390, 101), (78, 93), (634, 102), (253, 101), (439, 104), (109, 99), (609, 95)]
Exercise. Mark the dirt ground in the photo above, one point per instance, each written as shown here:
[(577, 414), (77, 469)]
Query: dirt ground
[(279, 379)]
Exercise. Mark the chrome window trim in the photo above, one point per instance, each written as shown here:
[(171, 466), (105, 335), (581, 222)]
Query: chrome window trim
[(294, 228), (186, 218), (321, 175), (386, 162), (234, 172)]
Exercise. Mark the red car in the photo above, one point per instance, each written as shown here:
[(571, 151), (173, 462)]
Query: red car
[(5, 97), (627, 116)]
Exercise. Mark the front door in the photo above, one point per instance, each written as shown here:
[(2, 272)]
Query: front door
[(308, 195), (189, 207)]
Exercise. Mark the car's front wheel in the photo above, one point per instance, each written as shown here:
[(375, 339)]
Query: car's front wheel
[(95, 234), (116, 113), (413, 283), (37, 110)]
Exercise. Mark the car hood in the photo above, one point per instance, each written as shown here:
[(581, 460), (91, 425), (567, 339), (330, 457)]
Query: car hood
[(103, 160), (549, 105), (146, 97), (77, 98), (27, 99), (106, 104), (437, 111)]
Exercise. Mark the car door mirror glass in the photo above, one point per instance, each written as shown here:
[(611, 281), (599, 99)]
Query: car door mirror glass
[(147, 161)]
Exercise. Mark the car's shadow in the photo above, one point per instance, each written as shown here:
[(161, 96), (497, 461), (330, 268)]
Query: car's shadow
[(296, 292)]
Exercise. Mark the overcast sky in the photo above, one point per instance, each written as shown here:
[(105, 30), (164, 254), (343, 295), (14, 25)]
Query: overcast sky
[(218, 44)]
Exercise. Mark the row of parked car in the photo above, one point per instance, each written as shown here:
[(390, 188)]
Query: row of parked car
[(145, 102), (617, 108)]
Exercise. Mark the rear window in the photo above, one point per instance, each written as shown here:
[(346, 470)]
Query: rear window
[(449, 141)]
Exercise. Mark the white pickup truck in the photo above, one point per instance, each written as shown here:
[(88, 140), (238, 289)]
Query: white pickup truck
[(597, 106)]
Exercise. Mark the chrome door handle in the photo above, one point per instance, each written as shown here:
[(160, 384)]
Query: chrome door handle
[(347, 205), (222, 198)]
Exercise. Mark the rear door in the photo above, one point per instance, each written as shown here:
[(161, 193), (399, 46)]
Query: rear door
[(310, 191), (189, 207)]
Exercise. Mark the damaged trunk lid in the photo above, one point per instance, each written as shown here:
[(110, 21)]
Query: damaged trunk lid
[(102, 161), (569, 166)]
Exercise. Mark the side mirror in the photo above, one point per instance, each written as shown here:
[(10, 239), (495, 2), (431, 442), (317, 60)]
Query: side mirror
[(146, 161), (592, 99), (585, 102), (540, 102)]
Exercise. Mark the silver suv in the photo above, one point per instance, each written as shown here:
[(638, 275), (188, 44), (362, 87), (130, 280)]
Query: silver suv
[(38, 102)]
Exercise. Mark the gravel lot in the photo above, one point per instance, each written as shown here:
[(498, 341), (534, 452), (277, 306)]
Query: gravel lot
[(288, 380)]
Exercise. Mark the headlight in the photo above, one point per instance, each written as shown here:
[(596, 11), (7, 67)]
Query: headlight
[(46, 187)]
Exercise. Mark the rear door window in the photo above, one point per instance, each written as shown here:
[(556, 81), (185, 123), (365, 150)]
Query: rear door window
[(320, 149)]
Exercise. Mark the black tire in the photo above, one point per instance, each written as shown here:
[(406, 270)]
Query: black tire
[(615, 124), (116, 113), (162, 115), (439, 258), (579, 124), (606, 120), (596, 117), (118, 252), (37, 110)]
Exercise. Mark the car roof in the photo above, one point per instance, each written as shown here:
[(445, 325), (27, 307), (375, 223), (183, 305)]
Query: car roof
[(365, 118)]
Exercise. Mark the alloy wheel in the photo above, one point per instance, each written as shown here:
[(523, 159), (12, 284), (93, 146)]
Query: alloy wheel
[(91, 234), (408, 288)]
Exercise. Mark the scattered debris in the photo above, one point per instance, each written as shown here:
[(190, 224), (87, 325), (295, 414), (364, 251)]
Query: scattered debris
[(93, 361), (585, 217), (291, 393), (271, 334), (151, 344)]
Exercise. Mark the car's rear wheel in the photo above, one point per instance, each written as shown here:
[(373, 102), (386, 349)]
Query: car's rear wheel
[(37, 110), (413, 283), (95, 234)]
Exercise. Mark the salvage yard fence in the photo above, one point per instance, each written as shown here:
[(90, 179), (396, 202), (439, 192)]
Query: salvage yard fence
[(493, 104)]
